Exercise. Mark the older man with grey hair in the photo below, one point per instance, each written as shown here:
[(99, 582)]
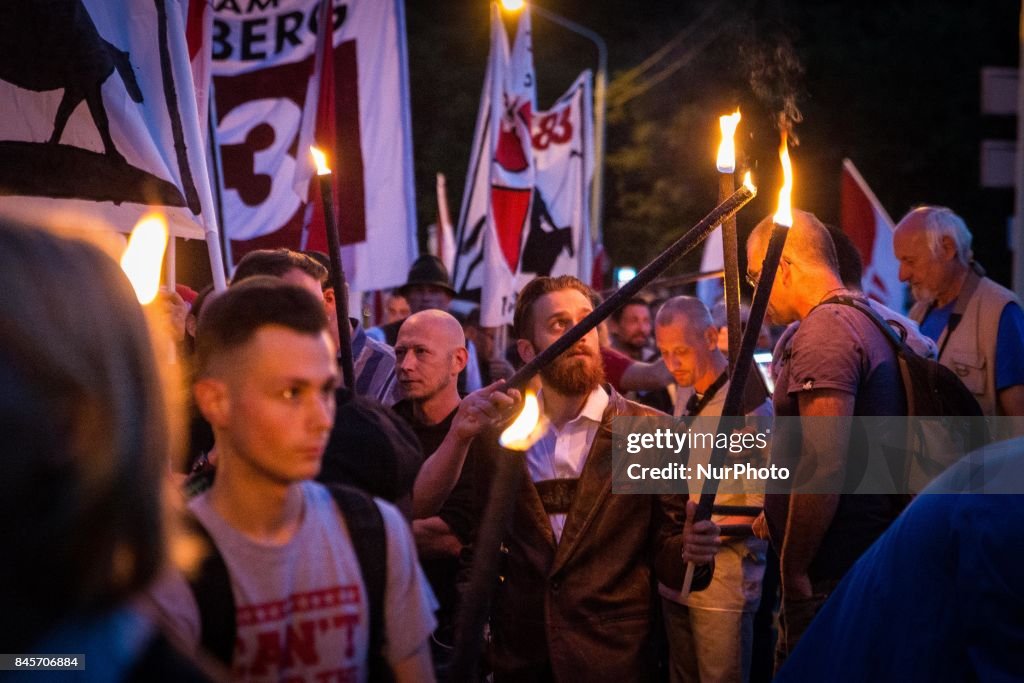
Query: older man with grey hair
[(978, 325)]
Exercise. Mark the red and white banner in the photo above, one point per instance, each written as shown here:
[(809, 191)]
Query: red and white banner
[(863, 218), (559, 241), (267, 90), (513, 102), (98, 115), (525, 210)]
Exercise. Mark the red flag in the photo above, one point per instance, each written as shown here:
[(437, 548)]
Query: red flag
[(869, 226)]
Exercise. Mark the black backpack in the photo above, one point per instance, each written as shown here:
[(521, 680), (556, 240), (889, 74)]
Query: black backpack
[(211, 585), (931, 390)]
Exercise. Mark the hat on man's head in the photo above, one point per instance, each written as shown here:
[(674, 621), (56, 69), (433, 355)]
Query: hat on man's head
[(428, 270)]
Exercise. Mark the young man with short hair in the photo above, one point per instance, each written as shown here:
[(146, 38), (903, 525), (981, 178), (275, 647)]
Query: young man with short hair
[(266, 379)]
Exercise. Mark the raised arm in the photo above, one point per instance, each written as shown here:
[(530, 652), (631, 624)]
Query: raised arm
[(480, 410)]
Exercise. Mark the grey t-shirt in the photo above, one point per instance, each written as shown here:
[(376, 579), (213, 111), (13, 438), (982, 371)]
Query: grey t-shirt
[(301, 607), (836, 347)]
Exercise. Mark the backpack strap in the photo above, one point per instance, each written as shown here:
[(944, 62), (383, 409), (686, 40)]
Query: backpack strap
[(369, 540), (895, 340), (211, 584), (211, 587), (883, 326)]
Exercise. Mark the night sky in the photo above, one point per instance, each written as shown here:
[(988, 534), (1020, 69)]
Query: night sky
[(893, 86)]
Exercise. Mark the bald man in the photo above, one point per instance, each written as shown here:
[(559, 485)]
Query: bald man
[(838, 364), (978, 325), (711, 632), (430, 353)]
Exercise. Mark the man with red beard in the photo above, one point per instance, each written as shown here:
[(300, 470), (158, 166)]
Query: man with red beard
[(576, 601)]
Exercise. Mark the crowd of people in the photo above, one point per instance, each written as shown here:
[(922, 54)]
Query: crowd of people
[(321, 532)]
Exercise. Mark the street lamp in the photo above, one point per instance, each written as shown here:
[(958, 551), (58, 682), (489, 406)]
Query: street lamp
[(600, 105)]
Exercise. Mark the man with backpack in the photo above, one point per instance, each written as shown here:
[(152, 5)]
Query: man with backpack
[(292, 586), (837, 364)]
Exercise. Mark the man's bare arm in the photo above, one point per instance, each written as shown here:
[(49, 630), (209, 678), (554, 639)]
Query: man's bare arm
[(434, 538), (825, 444), (481, 409)]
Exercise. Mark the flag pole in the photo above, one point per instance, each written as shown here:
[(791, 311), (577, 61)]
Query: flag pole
[(339, 284), (685, 244)]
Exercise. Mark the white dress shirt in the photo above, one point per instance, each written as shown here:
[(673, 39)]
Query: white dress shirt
[(562, 453)]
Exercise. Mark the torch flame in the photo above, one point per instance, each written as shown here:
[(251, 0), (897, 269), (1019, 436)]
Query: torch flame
[(784, 214), (727, 148), (749, 183), (522, 433), (320, 159), (142, 259)]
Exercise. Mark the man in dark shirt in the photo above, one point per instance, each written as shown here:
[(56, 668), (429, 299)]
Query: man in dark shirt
[(836, 365), (431, 352)]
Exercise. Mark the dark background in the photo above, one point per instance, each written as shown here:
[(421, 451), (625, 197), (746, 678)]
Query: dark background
[(894, 87)]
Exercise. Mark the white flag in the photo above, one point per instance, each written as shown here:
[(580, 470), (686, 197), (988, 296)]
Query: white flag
[(267, 93), (513, 101), (531, 180), (467, 270), (559, 241), (98, 115)]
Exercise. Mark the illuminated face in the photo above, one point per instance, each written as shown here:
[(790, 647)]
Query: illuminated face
[(634, 327), (925, 271), (579, 370), (687, 355), (426, 297), (424, 363), (280, 403), (780, 311)]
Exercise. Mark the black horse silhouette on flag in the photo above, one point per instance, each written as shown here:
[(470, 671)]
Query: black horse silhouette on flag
[(54, 44), (545, 241)]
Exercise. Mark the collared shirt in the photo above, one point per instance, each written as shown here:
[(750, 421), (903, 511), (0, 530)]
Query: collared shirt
[(374, 367), (562, 453)]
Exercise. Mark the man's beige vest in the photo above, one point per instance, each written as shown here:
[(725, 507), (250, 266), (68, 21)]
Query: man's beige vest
[(970, 351)]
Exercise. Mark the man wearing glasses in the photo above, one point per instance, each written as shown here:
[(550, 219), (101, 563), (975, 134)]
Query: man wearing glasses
[(836, 364)]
